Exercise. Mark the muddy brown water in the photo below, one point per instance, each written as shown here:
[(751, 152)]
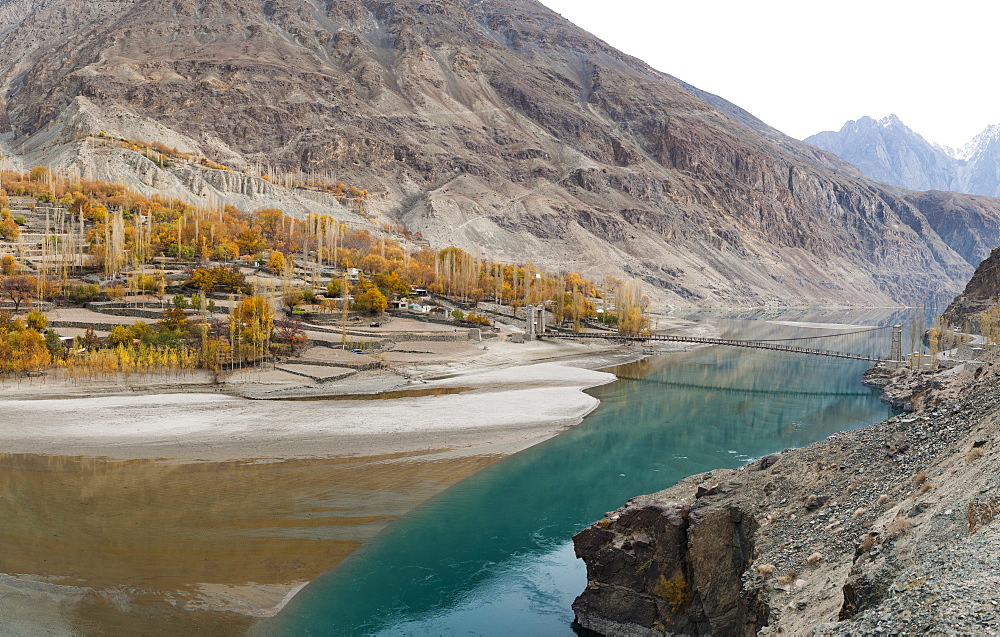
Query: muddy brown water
[(158, 546)]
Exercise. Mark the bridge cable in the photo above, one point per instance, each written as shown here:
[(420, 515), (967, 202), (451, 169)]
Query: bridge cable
[(809, 338)]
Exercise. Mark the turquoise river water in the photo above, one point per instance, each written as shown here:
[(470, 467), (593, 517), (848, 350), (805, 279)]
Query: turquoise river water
[(493, 554)]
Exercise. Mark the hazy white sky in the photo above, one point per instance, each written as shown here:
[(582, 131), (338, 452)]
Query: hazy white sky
[(804, 67)]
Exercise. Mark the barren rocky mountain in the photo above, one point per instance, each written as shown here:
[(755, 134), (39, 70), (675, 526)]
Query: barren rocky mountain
[(889, 151), (494, 125)]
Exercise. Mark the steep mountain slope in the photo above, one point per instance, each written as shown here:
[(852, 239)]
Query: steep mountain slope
[(494, 125), (980, 295), (887, 150)]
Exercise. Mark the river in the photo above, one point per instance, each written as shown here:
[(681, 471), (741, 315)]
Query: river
[(492, 555)]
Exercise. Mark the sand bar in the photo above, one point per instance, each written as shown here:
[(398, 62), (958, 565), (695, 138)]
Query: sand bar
[(530, 402)]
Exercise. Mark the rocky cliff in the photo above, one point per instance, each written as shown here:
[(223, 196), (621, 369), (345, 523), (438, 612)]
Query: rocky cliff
[(981, 294), (494, 125), (888, 529)]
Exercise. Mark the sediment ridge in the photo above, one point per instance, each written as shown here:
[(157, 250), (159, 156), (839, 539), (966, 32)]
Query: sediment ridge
[(888, 529)]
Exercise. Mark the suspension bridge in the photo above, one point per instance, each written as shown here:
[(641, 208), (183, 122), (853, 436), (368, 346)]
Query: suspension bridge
[(537, 329)]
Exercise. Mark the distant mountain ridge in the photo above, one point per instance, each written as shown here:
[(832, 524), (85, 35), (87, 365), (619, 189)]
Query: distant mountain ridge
[(889, 151)]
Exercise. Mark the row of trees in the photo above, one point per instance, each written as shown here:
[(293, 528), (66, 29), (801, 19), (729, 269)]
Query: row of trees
[(124, 231), (173, 343)]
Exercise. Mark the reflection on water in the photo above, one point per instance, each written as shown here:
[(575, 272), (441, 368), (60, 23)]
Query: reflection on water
[(492, 554), (151, 539)]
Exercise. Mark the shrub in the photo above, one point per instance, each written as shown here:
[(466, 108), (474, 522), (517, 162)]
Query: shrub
[(36, 320), (144, 282), (115, 292), (788, 577), (898, 526), (675, 591), (765, 570), (9, 230), (82, 293), (8, 265)]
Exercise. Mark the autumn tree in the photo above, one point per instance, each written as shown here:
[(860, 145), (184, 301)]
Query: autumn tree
[(250, 242), (225, 279), (19, 289), (40, 174), (120, 335), (289, 332), (115, 292), (630, 308), (371, 301), (292, 298), (391, 283), (36, 320), (277, 262), (335, 288), (21, 349), (251, 323), (272, 222), (172, 319), (8, 265), (9, 230)]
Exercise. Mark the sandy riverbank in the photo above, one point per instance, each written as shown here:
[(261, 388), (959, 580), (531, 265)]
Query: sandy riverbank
[(468, 397), (294, 471), (470, 401), (493, 411)]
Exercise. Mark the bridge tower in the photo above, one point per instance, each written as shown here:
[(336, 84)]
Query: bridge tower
[(535, 317), (896, 353)]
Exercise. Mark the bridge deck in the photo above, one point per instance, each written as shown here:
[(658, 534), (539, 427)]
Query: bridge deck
[(725, 341)]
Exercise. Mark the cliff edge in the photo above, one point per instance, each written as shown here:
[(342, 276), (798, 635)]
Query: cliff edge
[(882, 529)]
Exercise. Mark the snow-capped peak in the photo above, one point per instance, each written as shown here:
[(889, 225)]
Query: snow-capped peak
[(890, 120), (975, 145)]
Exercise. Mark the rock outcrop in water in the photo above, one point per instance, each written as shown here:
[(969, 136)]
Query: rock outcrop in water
[(657, 566), (494, 125), (857, 534)]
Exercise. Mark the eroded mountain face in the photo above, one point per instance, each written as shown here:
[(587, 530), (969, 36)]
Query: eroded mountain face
[(981, 295), (494, 125)]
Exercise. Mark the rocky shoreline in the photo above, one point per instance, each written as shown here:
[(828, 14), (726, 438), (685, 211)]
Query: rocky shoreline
[(885, 529)]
